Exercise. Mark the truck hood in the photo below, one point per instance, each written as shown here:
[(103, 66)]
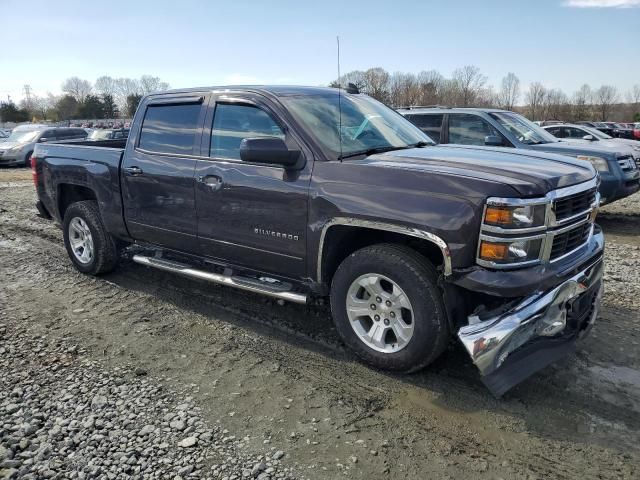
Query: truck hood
[(530, 173), (572, 148)]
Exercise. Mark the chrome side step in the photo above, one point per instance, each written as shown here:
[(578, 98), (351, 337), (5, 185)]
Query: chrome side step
[(249, 285)]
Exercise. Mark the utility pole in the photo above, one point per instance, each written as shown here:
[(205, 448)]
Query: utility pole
[(27, 95)]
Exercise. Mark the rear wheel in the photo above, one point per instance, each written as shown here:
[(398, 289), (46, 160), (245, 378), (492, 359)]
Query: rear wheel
[(387, 307), (90, 247)]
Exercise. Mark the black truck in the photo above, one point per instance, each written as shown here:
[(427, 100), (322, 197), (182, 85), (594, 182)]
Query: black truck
[(300, 193)]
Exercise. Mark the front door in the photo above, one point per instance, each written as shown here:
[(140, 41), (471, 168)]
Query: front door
[(249, 214), (158, 173)]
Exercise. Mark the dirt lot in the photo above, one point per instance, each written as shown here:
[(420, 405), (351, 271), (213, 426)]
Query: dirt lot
[(279, 378)]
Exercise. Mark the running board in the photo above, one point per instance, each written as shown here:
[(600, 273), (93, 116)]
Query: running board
[(248, 284)]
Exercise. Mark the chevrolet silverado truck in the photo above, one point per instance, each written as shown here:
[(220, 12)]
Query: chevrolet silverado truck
[(300, 193)]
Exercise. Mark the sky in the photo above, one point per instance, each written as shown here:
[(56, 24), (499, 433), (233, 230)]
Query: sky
[(561, 43)]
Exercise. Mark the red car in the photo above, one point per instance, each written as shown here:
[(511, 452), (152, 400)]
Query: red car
[(636, 131)]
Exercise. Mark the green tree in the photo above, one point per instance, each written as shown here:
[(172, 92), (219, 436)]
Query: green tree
[(67, 107), (133, 101), (109, 106), (91, 107), (10, 113)]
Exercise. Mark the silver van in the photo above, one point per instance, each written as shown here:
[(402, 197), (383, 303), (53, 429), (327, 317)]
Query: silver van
[(18, 147)]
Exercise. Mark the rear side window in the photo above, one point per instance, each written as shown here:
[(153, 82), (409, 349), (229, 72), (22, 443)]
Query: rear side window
[(556, 132), (469, 129), (429, 124), (232, 123), (170, 128)]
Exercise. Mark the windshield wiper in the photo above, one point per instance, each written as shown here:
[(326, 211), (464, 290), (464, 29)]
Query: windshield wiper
[(374, 150)]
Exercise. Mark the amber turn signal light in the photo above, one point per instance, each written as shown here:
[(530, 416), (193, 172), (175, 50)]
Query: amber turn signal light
[(498, 216), (493, 251)]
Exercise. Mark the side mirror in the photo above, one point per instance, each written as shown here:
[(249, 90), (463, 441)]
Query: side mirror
[(493, 141), (591, 138), (44, 139), (268, 150)]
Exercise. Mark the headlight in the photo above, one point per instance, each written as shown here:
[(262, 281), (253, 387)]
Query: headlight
[(520, 216), (599, 163), (510, 251), (16, 148)]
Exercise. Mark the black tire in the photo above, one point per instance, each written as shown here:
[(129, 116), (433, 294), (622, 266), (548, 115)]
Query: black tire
[(105, 253), (417, 277), (27, 159)]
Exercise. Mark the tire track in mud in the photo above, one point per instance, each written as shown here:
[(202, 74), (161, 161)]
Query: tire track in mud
[(445, 414)]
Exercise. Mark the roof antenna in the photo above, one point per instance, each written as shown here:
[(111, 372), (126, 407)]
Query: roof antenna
[(339, 100)]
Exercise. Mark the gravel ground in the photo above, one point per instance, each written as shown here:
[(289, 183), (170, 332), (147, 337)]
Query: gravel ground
[(97, 374), (66, 416)]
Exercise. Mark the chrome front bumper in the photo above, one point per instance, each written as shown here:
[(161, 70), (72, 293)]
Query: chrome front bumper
[(548, 321)]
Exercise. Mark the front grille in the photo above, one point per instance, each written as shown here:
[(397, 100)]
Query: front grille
[(571, 205), (625, 164), (564, 243)]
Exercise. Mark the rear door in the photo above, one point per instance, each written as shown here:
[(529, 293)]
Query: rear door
[(469, 129), (430, 123), (158, 172), (249, 214)]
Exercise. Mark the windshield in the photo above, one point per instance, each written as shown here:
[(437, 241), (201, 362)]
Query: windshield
[(100, 135), (366, 123), (23, 136), (524, 130), (597, 133)]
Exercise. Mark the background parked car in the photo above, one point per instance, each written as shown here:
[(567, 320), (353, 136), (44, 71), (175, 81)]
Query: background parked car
[(18, 147), (620, 130), (636, 131), (501, 128), (589, 134), (4, 134), (603, 127), (108, 134)]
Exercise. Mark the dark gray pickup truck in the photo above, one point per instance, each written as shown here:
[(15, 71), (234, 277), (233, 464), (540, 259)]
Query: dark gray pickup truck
[(300, 192)]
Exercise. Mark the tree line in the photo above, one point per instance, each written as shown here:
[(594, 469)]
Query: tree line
[(468, 87), (107, 97)]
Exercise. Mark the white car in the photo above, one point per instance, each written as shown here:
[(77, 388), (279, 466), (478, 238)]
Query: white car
[(582, 133)]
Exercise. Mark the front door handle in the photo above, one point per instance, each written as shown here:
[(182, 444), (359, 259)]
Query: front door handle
[(133, 171), (212, 181)]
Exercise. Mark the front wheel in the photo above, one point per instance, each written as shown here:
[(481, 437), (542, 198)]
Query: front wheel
[(387, 307), (90, 247), (27, 159)]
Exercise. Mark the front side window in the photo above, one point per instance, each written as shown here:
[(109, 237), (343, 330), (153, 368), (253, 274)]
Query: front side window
[(349, 125), (234, 122), (170, 128), (48, 134), (469, 129), (575, 133), (524, 130), (431, 124)]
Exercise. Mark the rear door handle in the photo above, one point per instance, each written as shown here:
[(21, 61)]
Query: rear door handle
[(212, 181), (133, 171)]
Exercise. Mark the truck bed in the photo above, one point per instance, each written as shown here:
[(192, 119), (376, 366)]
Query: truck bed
[(64, 169)]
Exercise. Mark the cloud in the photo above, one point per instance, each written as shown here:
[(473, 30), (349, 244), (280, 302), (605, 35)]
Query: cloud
[(602, 3)]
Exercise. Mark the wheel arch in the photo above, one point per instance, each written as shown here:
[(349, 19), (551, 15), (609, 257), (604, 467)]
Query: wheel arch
[(68, 193), (342, 236)]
